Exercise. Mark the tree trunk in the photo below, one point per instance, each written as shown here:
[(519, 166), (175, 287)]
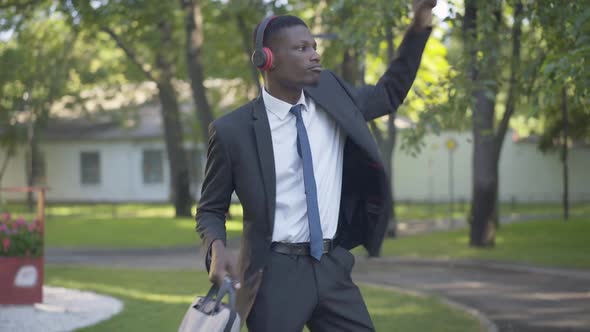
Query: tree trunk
[(485, 163), (32, 161), (194, 42), (485, 174), (513, 92), (4, 166), (179, 174), (179, 179), (350, 66)]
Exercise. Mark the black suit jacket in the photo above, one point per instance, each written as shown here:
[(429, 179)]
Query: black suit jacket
[(240, 158)]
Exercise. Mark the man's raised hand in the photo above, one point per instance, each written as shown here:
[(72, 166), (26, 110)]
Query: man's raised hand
[(423, 13)]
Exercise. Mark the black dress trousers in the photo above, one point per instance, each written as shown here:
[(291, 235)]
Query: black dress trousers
[(298, 291)]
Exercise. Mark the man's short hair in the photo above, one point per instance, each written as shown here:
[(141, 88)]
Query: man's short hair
[(275, 25)]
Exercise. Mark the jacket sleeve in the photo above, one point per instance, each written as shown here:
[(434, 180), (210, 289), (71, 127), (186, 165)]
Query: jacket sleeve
[(215, 194), (393, 86)]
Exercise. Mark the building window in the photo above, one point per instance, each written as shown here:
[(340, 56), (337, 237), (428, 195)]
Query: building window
[(90, 167), (152, 164)]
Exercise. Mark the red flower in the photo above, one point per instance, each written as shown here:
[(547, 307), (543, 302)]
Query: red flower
[(20, 238), (5, 244)]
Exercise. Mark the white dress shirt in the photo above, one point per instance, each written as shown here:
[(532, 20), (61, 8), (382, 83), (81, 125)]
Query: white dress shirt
[(327, 149)]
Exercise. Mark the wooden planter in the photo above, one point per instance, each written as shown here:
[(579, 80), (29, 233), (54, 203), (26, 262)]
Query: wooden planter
[(21, 280)]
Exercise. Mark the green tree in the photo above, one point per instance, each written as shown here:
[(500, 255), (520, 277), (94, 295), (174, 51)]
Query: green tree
[(38, 62), (148, 33), (194, 44), (484, 31), (562, 96)]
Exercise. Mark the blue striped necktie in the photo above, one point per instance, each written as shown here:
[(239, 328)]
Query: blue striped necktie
[(311, 196)]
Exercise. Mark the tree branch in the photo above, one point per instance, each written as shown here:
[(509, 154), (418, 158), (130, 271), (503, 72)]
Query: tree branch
[(18, 5), (536, 70), (129, 52), (246, 41), (514, 68), (470, 37)]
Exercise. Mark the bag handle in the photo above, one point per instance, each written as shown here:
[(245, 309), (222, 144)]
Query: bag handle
[(226, 288), (219, 293)]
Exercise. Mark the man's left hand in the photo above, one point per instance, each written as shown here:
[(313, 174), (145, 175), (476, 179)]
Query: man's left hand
[(423, 13)]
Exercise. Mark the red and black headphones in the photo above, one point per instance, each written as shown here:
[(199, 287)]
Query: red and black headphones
[(262, 56)]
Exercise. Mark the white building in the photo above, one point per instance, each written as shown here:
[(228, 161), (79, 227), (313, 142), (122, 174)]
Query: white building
[(85, 161), (105, 162), (526, 173)]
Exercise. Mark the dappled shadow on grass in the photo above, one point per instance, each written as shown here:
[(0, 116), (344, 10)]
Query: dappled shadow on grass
[(153, 300), (157, 300), (127, 232), (230, 226), (545, 242), (401, 312), (125, 292), (438, 211)]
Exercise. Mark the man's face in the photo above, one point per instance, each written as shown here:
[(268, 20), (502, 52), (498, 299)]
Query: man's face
[(296, 63)]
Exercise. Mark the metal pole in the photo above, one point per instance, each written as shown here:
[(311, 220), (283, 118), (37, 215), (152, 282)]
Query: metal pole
[(451, 180), (564, 156)]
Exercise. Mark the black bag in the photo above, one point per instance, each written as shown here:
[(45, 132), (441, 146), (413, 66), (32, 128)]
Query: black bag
[(208, 314)]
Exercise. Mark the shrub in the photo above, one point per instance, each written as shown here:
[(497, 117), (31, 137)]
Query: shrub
[(19, 237)]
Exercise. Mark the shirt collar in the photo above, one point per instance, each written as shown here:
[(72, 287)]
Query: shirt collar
[(278, 107)]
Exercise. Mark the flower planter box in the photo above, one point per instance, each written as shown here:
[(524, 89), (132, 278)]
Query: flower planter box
[(21, 280)]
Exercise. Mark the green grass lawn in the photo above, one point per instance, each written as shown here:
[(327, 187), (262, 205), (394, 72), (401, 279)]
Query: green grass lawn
[(157, 300), (120, 226), (551, 243), (421, 211), (404, 211), (548, 243), (126, 232)]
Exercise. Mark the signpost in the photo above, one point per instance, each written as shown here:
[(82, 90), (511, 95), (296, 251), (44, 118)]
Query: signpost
[(451, 145)]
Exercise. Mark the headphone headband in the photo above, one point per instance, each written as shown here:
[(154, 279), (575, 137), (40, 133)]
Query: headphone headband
[(260, 32)]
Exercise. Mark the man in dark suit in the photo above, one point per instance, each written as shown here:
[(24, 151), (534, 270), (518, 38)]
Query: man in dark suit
[(310, 179)]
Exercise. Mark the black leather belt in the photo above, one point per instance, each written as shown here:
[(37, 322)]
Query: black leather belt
[(301, 248)]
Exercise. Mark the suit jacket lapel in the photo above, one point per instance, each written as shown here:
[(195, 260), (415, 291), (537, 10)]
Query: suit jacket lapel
[(265, 156), (332, 98)]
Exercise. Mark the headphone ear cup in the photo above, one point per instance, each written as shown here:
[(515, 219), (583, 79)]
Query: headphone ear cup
[(269, 58), (259, 58)]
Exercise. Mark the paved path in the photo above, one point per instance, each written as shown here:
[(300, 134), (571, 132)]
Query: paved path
[(516, 298)]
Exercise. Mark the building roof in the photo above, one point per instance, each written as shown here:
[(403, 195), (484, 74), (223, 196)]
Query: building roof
[(143, 122), (131, 111)]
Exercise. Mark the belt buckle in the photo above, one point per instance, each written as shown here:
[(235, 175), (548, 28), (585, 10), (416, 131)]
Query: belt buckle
[(328, 245)]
